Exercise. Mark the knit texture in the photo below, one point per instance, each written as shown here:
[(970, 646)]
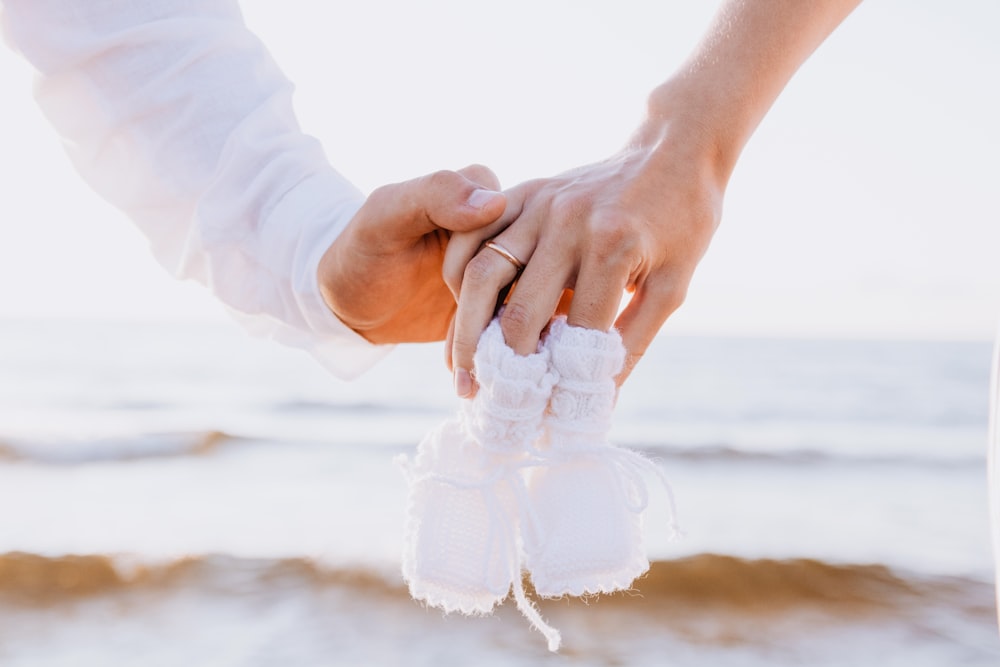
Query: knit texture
[(587, 497), (461, 547), (525, 473)]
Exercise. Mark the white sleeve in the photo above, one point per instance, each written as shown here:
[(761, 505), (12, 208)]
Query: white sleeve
[(175, 112), (993, 465)]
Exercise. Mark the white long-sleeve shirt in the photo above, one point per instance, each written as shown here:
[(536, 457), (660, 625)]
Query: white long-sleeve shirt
[(174, 112)]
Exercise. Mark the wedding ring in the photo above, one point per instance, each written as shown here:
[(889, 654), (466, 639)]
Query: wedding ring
[(506, 254)]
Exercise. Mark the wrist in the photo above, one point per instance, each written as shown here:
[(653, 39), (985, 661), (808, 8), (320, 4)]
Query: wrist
[(695, 121)]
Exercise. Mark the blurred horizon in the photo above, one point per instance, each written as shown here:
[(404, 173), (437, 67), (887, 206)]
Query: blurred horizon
[(224, 322)]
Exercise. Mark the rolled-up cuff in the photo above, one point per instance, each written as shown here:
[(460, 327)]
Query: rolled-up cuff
[(321, 207)]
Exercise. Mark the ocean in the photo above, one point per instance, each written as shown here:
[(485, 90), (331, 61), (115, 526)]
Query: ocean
[(180, 494)]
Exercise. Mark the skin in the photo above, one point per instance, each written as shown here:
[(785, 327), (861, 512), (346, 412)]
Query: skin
[(382, 276), (640, 220)]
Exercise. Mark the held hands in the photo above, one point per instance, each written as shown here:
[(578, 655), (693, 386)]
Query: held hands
[(382, 275), (639, 221)]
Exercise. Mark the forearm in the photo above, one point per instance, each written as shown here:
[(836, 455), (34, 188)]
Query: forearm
[(714, 102)]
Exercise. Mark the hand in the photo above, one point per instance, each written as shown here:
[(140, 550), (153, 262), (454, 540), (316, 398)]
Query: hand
[(642, 219), (639, 221), (382, 276)]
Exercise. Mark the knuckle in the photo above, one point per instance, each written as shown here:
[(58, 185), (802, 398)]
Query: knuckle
[(478, 272), (382, 194), (663, 292), (614, 231), (676, 300), (614, 242), (565, 210), (515, 320), (440, 179), (532, 187), (481, 175), (670, 297), (463, 349)]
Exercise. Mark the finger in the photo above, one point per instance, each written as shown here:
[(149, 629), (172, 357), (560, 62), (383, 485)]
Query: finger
[(598, 291), (448, 340), (482, 176), (642, 319), (458, 203), (486, 275), (532, 303), (565, 302), (463, 246), (442, 200)]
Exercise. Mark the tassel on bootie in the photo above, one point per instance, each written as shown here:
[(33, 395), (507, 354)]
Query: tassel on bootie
[(462, 551)]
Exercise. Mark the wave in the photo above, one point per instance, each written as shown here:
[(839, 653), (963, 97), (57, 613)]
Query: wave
[(29, 578), (123, 448), (179, 444), (361, 408), (704, 582), (723, 453)]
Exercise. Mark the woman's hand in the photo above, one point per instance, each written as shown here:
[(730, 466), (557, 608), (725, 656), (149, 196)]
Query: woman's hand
[(642, 219), (637, 222)]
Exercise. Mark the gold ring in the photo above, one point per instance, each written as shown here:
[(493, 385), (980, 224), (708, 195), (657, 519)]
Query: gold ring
[(506, 254)]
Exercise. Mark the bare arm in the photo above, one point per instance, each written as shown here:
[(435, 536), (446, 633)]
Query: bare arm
[(745, 60), (642, 219)]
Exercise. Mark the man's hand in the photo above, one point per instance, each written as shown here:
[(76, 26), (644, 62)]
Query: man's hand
[(382, 276)]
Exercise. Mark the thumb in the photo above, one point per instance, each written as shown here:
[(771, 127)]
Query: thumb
[(460, 201), (452, 200)]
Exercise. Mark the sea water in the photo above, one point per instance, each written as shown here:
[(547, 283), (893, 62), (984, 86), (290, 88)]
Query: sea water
[(184, 495)]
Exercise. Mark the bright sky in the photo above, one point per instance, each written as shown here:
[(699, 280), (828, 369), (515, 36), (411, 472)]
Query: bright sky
[(864, 206)]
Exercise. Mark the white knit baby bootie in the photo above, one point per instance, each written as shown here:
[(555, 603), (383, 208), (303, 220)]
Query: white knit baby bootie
[(587, 498), (461, 549)]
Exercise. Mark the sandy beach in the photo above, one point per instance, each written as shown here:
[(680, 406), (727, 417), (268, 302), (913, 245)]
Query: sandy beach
[(696, 611)]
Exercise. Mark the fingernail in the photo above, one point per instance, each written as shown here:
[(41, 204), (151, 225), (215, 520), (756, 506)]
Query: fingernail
[(463, 383), (480, 198)]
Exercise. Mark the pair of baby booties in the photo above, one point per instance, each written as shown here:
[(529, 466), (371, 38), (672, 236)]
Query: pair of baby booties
[(524, 476)]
